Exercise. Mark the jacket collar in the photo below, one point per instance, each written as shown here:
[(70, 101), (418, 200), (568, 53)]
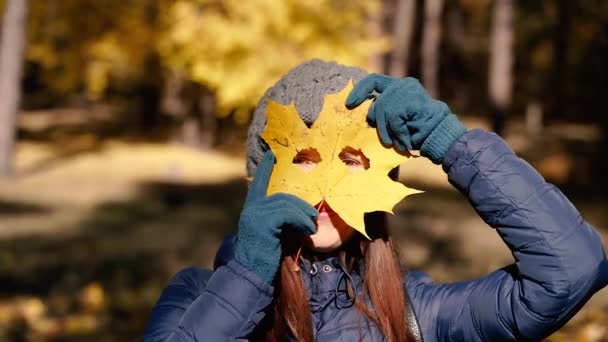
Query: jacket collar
[(319, 286), (323, 275)]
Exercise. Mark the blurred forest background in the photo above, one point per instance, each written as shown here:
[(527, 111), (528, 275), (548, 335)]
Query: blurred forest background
[(123, 122)]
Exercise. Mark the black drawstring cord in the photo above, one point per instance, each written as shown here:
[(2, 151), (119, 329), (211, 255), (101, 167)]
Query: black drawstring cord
[(349, 301)]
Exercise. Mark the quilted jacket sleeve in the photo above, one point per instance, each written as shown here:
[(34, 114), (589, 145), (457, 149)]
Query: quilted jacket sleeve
[(201, 305), (559, 259)]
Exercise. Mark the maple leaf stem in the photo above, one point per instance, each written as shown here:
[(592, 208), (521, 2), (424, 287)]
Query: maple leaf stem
[(297, 260)]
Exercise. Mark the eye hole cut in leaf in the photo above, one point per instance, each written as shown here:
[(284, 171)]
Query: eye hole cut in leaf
[(336, 131), (307, 159), (354, 159)]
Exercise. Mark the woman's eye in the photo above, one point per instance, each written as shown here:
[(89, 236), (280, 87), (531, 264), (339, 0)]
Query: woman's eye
[(307, 159), (354, 159), (301, 161), (351, 162)]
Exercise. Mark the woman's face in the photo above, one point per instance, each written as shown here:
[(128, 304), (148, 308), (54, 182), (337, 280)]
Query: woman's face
[(332, 231)]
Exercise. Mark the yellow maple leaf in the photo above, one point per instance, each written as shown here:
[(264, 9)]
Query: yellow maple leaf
[(350, 193)]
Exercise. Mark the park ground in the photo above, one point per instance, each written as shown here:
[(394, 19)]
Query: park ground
[(91, 227)]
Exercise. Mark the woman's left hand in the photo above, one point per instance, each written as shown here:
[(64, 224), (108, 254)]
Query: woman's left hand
[(406, 116)]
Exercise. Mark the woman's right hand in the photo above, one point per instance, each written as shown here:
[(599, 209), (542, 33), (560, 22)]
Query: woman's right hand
[(263, 220)]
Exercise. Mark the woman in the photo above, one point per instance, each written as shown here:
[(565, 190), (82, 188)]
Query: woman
[(344, 287)]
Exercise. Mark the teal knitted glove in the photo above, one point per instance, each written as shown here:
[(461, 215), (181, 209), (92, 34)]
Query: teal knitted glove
[(263, 221), (406, 116)]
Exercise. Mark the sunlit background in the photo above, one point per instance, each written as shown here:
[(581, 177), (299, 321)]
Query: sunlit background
[(122, 141)]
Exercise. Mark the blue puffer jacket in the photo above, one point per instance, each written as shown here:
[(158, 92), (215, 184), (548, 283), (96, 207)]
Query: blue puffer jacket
[(559, 264)]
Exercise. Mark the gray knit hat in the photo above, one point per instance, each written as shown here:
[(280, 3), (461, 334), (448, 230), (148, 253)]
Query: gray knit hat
[(306, 85)]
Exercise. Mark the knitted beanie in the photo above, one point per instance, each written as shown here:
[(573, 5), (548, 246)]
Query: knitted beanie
[(306, 85)]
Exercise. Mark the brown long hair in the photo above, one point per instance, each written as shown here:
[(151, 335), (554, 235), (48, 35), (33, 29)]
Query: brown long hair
[(382, 284)]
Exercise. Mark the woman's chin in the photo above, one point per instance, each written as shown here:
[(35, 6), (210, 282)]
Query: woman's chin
[(328, 239), (323, 247)]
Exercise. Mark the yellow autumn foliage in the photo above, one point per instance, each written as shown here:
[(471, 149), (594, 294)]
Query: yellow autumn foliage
[(235, 48), (240, 48), (85, 44)]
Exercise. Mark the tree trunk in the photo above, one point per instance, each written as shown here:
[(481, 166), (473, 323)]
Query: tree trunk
[(431, 38), (208, 119), (12, 46), (500, 77), (375, 23), (560, 53), (403, 29)]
